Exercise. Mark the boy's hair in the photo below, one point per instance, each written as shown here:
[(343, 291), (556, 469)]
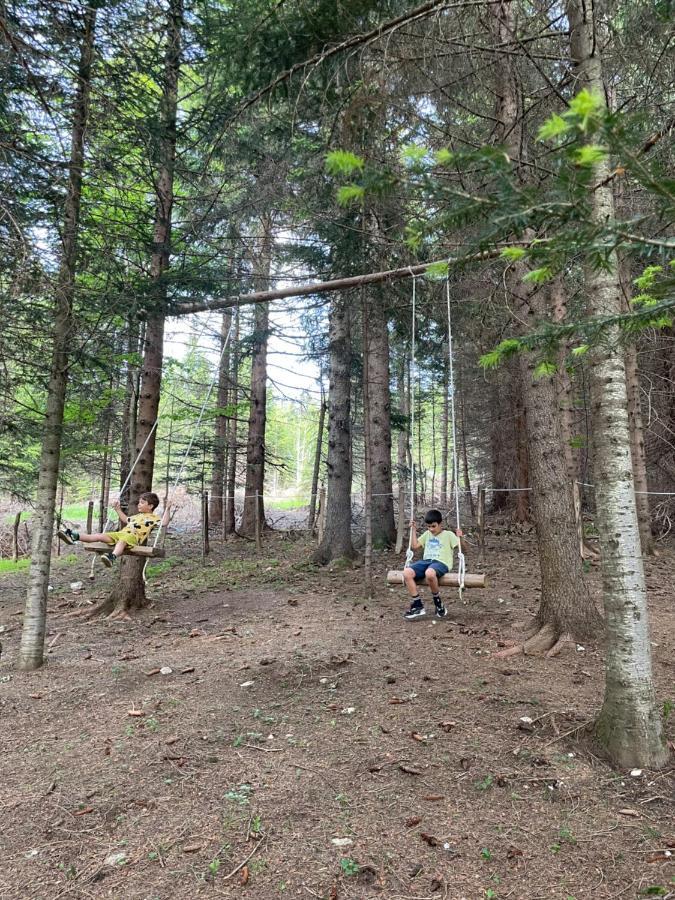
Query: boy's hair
[(150, 498), (433, 516)]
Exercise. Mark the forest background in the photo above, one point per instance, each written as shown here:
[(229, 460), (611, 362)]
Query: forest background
[(170, 159)]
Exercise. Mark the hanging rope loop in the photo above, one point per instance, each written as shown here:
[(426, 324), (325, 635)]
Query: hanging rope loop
[(455, 461), (413, 375)]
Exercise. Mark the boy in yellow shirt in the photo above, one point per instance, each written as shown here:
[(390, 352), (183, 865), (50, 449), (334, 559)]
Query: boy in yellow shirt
[(136, 528), (439, 547)]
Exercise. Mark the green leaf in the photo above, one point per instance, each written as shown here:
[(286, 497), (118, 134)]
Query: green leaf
[(350, 193), (444, 157), (413, 153), (342, 162), (490, 360), (513, 253), (580, 350), (437, 270), (544, 369), (589, 155), (538, 276), (646, 280), (586, 105), (553, 128)]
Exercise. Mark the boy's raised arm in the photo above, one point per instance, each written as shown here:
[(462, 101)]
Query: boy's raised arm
[(166, 518), (120, 512), (414, 543)]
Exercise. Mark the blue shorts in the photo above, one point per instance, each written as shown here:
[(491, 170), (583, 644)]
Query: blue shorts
[(420, 567)]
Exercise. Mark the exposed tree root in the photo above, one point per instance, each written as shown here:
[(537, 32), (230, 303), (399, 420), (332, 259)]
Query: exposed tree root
[(103, 609), (544, 639), (119, 615)]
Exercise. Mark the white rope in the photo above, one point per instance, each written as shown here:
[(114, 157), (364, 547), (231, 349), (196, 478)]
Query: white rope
[(461, 562), (413, 377)]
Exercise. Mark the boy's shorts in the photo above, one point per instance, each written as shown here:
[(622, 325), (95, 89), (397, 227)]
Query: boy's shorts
[(130, 539), (420, 567)]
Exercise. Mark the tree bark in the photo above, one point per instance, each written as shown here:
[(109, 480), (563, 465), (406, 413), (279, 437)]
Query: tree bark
[(402, 447), (336, 542), (129, 593), (566, 610), (230, 510), (311, 522), (255, 447), (31, 653), (135, 336), (629, 726), (221, 423), (379, 422)]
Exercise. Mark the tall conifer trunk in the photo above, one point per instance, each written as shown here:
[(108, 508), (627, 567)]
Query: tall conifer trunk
[(257, 418), (129, 593), (379, 425), (629, 726), (220, 436), (337, 537), (566, 609), (31, 653)]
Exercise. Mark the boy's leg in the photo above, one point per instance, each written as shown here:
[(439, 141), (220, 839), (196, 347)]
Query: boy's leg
[(96, 538), (431, 576), (108, 559), (416, 610)]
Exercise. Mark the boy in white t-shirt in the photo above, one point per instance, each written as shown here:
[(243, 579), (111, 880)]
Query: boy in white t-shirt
[(439, 546)]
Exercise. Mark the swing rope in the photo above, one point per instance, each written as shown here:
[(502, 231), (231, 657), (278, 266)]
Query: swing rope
[(194, 433), (461, 562), (409, 554)]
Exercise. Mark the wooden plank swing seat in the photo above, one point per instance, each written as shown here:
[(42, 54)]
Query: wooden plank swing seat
[(103, 547), (395, 576)]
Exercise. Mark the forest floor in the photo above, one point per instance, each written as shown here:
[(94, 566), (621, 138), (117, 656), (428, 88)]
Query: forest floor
[(309, 742)]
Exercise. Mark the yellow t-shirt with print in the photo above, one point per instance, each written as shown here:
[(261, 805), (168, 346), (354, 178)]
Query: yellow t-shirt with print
[(440, 546), (136, 530)]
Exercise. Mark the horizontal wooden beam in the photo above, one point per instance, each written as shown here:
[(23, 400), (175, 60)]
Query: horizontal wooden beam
[(323, 287), (395, 576), (101, 547)]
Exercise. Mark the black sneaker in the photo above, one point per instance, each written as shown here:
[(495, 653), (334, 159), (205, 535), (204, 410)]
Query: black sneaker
[(416, 611), (441, 611), (108, 560), (67, 535)]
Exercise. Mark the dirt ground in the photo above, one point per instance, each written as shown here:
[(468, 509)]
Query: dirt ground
[(309, 742)]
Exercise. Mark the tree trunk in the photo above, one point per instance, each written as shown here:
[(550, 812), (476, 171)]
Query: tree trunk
[(379, 422), (638, 455), (129, 593), (337, 537), (522, 512), (367, 453), (130, 414), (565, 397), (566, 610), (445, 425), (230, 510), (255, 447), (629, 726), (31, 653), (218, 468), (502, 442), (317, 465), (402, 447)]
